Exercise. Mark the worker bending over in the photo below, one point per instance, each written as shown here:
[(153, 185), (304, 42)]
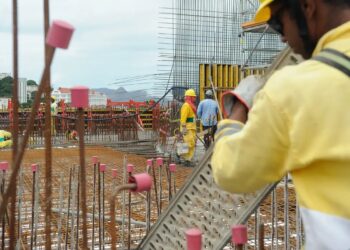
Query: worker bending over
[(299, 122), (188, 125), (5, 139)]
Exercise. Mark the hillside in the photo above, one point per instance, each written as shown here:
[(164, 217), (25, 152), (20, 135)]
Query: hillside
[(121, 94)]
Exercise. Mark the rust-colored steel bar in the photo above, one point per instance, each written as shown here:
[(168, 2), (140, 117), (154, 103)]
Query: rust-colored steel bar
[(33, 211), (155, 188), (3, 219), (68, 208), (113, 231), (261, 237), (28, 131), (99, 208), (103, 210), (129, 218), (82, 174), (78, 212), (93, 208), (47, 134), (15, 125)]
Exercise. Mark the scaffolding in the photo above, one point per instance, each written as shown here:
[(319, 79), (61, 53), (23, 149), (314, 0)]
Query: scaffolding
[(206, 32)]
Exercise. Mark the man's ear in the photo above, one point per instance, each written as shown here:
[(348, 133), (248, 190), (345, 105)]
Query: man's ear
[(309, 9)]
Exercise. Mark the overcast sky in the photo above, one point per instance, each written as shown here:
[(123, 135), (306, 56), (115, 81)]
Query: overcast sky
[(113, 39)]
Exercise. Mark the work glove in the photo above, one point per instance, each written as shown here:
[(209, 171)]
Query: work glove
[(184, 130), (244, 93)]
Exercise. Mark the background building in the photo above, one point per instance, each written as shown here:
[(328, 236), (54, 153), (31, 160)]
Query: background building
[(95, 98)]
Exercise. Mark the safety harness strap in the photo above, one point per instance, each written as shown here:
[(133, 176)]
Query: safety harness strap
[(334, 59)]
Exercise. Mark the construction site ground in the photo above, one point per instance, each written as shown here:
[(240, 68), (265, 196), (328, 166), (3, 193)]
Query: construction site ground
[(64, 159)]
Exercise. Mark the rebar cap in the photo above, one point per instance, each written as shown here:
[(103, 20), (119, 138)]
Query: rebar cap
[(194, 239), (159, 161), (59, 34), (129, 168), (34, 167), (149, 162), (80, 97), (172, 167), (143, 182), (102, 167), (94, 159), (239, 234), (114, 173), (4, 165)]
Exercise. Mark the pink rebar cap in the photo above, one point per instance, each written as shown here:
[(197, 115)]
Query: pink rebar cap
[(59, 34), (80, 97), (129, 168), (172, 167), (94, 159), (102, 167), (143, 182), (239, 234), (114, 173), (149, 162), (159, 161), (4, 165), (194, 239), (34, 167)]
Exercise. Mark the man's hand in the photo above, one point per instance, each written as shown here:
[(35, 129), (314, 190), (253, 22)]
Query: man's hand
[(184, 130), (244, 93)]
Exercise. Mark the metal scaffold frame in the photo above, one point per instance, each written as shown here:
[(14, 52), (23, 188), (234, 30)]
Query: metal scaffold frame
[(198, 32)]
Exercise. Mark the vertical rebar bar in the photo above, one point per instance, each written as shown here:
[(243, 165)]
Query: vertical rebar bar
[(3, 225), (15, 126), (59, 226), (68, 207), (93, 208), (81, 132)]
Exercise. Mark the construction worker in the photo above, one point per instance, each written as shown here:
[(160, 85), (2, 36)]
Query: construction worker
[(5, 139), (207, 112), (299, 122), (188, 125), (53, 115)]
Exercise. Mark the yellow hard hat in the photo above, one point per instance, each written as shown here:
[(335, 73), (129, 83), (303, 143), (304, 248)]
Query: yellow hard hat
[(190, 92), (263, 14), (54, 98)]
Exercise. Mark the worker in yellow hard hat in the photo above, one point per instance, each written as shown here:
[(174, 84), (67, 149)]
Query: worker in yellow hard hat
[(298, 122), (53, 115), (5, 139), (188, 124)]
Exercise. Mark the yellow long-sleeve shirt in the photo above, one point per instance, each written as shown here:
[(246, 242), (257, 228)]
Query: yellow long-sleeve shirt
[(300, 124), (187, 117)]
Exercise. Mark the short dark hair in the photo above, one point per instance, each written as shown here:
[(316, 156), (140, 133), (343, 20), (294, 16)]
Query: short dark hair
[(338, 2)]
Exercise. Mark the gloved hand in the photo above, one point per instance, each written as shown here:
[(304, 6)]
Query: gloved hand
[(244, 93), (184, 130)]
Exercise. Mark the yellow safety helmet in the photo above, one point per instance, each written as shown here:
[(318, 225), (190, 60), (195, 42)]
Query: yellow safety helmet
[(263, 14), (53, 98), (190, 92)]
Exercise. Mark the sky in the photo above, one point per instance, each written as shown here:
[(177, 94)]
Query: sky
[(113, 39)]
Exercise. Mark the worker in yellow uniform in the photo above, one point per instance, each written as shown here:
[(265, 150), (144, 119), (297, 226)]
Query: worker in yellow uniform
[(299, 122), (5, 139), (188, 125), (53, 115)]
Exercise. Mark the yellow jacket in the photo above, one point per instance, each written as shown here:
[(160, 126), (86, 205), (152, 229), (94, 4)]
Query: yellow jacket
[(188, 117), (3, 134), (299, 123)]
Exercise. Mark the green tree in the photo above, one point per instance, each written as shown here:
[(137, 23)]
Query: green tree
[(31, 82), (6, 87)]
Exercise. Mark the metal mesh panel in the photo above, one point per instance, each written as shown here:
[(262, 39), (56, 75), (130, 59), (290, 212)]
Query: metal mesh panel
[(194, 32), (202, 204)]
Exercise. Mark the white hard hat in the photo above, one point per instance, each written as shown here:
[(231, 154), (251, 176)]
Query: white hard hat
[(209, 92)]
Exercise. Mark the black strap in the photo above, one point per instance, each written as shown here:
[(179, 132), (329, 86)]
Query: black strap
[(334, 59)]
